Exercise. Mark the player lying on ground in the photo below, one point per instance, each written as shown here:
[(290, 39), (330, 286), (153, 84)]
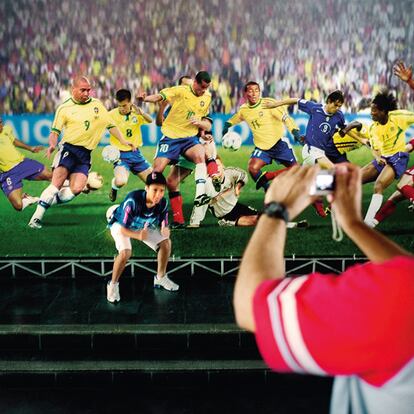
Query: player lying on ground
[(129, 118), (225, 205), (14, 168), (143, 215), (387, 139)]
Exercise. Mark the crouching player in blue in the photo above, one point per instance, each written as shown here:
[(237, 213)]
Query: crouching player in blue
[(143, 215)]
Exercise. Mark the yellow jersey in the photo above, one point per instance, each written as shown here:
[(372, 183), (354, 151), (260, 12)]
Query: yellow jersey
[(130, 127), (389, 139), (83, 124), (9, 155), (184, 105), (346, 143), (267, 125)]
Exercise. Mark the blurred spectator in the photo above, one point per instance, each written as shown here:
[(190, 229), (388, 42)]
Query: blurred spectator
[(292, 48)]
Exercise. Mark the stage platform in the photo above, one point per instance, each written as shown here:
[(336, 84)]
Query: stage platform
[(64, 348)]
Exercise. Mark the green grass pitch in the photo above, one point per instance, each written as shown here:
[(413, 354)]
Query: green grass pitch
[(78, 229)]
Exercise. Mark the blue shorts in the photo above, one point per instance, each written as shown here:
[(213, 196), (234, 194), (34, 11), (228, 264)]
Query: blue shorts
[(280, 152), (28, 169), (133, 161), (337, 159), (398, 162), (172, 148), (74, 158)]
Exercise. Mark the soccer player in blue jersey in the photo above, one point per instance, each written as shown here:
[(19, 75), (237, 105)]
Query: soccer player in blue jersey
[(324, 119), (143, 215), (319, 146)]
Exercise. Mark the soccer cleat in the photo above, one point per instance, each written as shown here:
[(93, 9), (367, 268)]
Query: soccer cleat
[(201, 200), (30, 199), (411, 206), (320, 211), (35, 223), (371, 223), (303, 224), (165, 283), (112, 292), (216, 179), (261, 181), (112, 194), (193, 226), (226, 223), (175, 225)]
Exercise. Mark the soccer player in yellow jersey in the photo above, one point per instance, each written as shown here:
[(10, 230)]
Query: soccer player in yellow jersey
[(387, 139), (82, 120), (14, 167), (129, 118), (189, 113), (268, 128)]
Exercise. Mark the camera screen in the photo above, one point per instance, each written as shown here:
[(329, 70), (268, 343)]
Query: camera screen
[(325, 182)]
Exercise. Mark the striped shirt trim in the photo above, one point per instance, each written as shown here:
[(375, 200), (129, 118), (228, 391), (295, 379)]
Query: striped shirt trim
[(277, 328), (293, 332), (58, 131), (286, 328)]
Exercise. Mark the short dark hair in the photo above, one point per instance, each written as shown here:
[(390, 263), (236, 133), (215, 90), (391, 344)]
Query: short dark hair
[(155, 178), (385, 101), (249, 84), (123, 94), (335, 96), (203, 76), (181, 78)]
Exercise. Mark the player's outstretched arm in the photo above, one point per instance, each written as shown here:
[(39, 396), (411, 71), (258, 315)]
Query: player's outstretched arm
[(150, 98), (271, 103), (404, 73), (346, 202), (140, 111), (30, 148)]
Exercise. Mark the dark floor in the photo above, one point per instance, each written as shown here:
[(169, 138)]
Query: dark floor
[(38, 315), (201, 299)]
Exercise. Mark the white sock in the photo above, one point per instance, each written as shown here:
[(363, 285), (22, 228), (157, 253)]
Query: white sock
[(65, 195), (198, 214), (373, 208), (27, 202), (46, 200), (200, 176), (113, 184)]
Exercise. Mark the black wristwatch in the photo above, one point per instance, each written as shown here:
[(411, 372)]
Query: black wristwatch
[(276, 210)]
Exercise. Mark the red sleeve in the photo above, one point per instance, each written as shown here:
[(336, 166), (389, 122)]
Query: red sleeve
[(361, 322)]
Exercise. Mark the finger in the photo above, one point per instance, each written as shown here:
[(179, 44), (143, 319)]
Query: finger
[(145, 225)]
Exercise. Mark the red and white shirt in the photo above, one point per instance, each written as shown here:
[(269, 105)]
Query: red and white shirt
[(359, 324)]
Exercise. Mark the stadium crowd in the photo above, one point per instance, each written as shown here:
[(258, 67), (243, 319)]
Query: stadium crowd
[(293, 48)]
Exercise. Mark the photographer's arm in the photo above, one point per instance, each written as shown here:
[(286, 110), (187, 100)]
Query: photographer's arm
[(347, 206), (263, 258)]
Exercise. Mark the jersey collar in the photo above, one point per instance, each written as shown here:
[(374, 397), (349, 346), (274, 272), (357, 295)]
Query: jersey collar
[(80, 103), (255, 105)]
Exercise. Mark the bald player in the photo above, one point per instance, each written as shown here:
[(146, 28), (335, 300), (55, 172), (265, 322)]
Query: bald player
[(83, 119)]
